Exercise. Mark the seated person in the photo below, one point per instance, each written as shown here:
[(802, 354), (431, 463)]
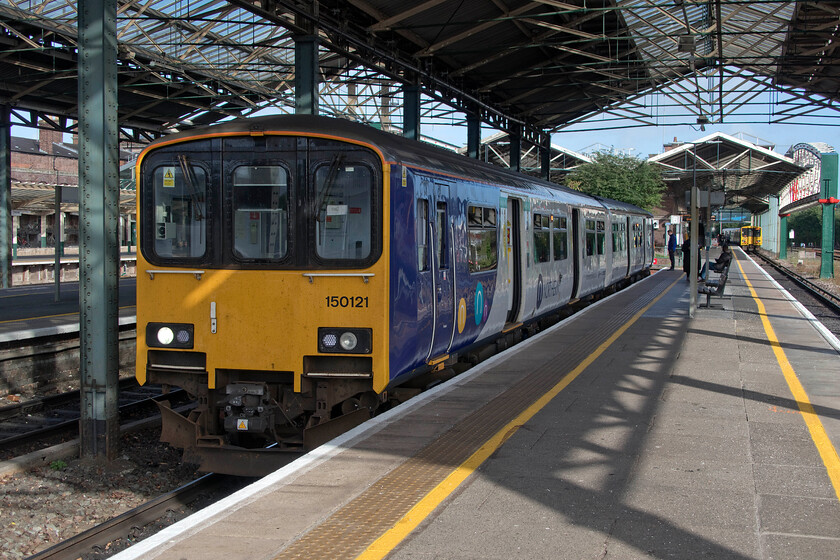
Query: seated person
[(720, 263)]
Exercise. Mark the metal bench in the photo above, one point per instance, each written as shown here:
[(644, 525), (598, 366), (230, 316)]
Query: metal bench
[(714, 287)]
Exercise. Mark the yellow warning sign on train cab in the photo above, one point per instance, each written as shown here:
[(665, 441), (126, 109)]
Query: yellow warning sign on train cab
[(242, 425), (169, 177)]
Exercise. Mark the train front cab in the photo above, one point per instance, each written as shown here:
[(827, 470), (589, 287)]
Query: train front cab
[(262, 288), (750, 237)]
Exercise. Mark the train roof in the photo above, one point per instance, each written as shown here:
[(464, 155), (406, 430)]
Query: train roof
[(402, 150), (617, 205)]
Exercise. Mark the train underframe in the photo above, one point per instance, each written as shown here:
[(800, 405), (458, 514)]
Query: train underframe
[(229, 428)]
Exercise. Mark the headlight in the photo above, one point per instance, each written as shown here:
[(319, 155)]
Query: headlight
[(348, 341), (345, 340), (165, 336), (329, 340), (169, 335)]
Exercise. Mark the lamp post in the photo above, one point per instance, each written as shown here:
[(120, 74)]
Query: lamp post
[(693, 236)]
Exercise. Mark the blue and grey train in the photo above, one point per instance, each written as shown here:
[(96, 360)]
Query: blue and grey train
[(298, 272)]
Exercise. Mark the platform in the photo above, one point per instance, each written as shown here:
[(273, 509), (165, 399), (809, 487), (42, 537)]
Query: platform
[(627, 431)]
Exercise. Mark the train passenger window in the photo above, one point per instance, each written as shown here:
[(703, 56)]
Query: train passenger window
[(483, 254), (442, 234), (602, 233), (260, 211), (561, 239), (542, 239), (180, 194), (343, 226), (422, 234), (589, 226), (618, 237), (476, 216)]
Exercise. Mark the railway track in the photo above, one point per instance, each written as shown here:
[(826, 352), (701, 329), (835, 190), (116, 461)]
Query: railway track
[(829, 299), (24, 423), (126, 529), (835, 256)]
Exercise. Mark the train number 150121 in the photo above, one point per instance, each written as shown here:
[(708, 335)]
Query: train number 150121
[(347, 301)]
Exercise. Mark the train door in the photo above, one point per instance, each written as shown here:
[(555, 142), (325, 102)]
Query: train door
[(628, 226), (576, 251), (514, 211), (608, 251), (649, 252), (443, 271)]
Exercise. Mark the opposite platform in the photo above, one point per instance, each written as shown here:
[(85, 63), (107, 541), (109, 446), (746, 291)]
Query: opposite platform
[(628, 431)]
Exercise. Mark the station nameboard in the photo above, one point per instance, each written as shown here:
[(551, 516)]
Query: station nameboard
[(807, 184)]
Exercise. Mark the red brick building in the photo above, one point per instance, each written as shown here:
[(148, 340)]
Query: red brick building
[(39, 166)]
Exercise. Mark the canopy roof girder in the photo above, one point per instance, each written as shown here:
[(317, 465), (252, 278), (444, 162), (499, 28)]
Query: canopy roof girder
[(536, 65)]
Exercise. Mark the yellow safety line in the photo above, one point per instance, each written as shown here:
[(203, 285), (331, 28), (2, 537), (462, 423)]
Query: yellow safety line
[(53, 316), (826, 449), (393, 536), (42, 317)]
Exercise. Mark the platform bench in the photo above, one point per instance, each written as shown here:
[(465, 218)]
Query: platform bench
[(714, 287)]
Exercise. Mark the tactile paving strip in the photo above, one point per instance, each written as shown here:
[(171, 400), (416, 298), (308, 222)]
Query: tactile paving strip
[(350, 530)]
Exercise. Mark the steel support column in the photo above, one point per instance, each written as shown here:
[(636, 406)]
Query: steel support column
[(515, 136), (828, 198), (306, 75), (411, 112), (98, 211), (6, 231), (783, 236), (473, 135), (694, 239), (545, 158)]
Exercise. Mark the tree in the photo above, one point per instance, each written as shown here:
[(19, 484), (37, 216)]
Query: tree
[(807, 227), (619, 177)]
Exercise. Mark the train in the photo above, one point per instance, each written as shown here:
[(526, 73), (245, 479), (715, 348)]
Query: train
[(298, 273), (732, 235), (750, 237)]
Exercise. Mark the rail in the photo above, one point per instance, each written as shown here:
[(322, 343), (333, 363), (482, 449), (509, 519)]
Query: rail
[(823, 295), (123, 526)]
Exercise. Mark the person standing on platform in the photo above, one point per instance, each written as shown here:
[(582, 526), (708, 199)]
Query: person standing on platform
[(672, 247), (686, 254)]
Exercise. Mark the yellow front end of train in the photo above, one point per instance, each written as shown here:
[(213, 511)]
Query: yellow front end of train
[(262, 290), (258, 321), (750, 237)]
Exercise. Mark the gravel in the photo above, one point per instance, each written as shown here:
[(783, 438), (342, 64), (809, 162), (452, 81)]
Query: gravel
[(43, 506)]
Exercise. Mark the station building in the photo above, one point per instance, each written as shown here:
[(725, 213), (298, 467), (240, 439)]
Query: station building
[(41, 166)]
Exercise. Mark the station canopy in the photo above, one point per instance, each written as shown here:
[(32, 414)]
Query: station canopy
[(747, 173), (537, 65)]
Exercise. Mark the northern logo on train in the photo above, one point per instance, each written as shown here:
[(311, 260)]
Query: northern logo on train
[(539, 291), (479, 303)]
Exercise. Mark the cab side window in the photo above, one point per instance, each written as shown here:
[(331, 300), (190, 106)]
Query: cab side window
[(422, 234)]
